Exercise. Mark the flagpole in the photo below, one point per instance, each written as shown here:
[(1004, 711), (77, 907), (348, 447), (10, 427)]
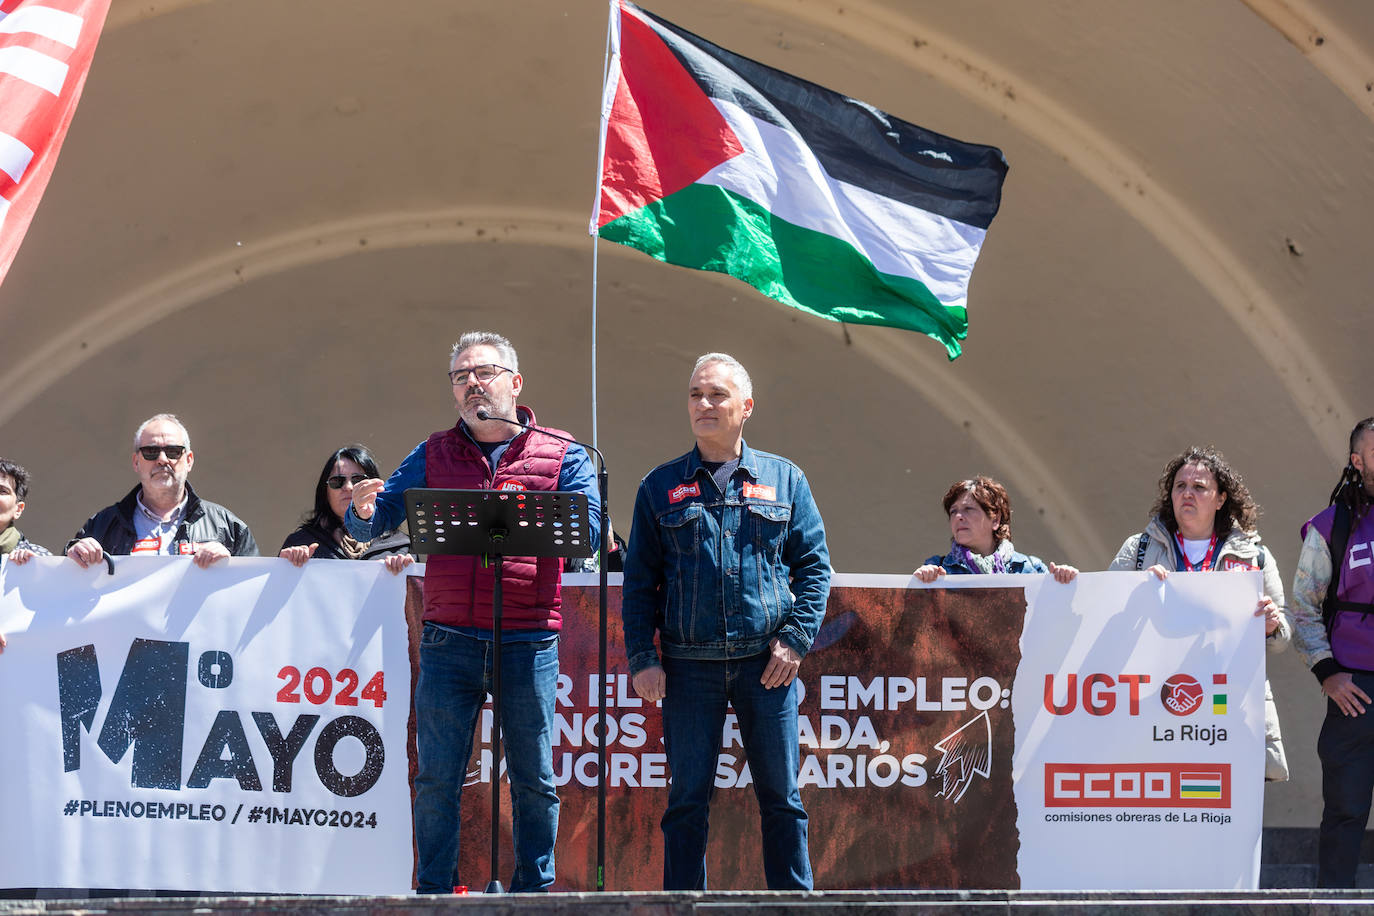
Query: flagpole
[(606, 68)]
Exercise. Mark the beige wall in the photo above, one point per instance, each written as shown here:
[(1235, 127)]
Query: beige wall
[(273, 218)]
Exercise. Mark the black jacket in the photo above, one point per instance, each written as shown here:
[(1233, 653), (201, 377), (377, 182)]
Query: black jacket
[(382, 545), (113, 526)]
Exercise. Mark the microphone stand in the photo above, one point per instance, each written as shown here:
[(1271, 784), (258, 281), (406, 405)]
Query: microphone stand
[(603, 485)]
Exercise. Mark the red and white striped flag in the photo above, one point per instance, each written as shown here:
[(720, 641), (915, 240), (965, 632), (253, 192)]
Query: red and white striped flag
[(46, 48)]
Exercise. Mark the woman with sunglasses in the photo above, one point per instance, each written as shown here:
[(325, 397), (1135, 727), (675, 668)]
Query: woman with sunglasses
[(1204, 519), (979, 513), (322, 534)]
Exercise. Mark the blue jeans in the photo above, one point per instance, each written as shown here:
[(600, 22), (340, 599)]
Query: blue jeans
[(693, 723), (455, 678), (1346, 749)]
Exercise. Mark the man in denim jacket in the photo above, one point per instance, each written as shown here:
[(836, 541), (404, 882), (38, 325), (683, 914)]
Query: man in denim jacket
[(727, 560)]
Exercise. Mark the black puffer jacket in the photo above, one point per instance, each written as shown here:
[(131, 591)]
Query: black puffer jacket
[(204, 521)]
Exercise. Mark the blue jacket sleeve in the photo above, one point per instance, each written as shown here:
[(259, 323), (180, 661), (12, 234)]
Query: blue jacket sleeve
[(808, 562), (639, 597), (391, 504), (575, 475)]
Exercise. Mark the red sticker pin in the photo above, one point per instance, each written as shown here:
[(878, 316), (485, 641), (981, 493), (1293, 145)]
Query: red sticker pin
[(680, 492), (760, 491)]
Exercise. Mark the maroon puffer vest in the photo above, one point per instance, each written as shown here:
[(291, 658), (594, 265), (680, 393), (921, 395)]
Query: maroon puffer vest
[(458, 590)]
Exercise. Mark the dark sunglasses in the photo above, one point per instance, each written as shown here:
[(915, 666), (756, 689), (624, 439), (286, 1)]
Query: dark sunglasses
[(173, 452), (337, 481)]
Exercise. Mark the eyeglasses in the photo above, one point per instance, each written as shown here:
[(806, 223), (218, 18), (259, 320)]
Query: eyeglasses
[(484, 373), (338, 480), (173, 452)]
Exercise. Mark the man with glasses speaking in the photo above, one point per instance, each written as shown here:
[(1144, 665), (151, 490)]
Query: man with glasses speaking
[(163, 515), (495, 445)]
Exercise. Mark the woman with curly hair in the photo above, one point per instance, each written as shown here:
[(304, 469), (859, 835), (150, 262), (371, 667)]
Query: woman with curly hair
[(979, 513), (1205, 519)]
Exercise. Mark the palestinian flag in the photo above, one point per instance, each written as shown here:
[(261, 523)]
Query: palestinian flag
[(713, 161)]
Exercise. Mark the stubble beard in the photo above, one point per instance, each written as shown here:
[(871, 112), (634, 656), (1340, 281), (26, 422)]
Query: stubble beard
[(166, 481)]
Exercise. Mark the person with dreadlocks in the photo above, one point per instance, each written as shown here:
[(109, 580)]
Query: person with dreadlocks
[(1336, 640), (1204, 519)]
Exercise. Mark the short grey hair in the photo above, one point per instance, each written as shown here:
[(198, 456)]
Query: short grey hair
[(487, 339), (737, 370), (165, 418)]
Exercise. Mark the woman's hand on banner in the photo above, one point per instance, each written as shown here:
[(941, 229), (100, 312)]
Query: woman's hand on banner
[(929, 572), (1270, 612), (299, 554), (397, 562)]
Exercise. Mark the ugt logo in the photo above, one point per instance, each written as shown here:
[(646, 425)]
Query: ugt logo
[(148, 712), (1181, 694)]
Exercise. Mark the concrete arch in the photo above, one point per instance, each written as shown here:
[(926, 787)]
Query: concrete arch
[(911, 360), (1330, 49), (1097, 157), (1107, 165)]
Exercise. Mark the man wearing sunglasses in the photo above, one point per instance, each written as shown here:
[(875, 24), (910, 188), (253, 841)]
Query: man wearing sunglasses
[(163, 515), (484, 451)]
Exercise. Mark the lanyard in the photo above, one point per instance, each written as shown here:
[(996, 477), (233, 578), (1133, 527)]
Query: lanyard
[(1183, 554)]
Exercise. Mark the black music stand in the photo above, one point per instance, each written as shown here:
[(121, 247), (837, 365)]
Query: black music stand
[(496, 524)]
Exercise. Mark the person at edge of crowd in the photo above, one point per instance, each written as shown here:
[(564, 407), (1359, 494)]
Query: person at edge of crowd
[(1329, 604), (163, 514), (456, 643), (14, 489), (979, 511), (1204, 519), (322, 533), (728, 561)]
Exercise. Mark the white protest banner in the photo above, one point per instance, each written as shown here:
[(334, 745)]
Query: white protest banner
[(927, 741), (1139, 710), (234, 729)]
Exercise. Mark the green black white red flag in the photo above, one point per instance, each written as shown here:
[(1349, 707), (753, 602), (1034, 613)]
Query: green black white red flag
[(46, 48), (713, 161)]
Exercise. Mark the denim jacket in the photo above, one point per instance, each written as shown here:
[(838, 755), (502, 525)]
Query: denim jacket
[(719, 575)]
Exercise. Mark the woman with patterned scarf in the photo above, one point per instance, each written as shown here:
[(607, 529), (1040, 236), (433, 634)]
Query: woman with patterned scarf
[(979, 513)]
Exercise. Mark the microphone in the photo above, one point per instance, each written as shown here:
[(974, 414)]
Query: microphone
[(603, 486), (484, 414)]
